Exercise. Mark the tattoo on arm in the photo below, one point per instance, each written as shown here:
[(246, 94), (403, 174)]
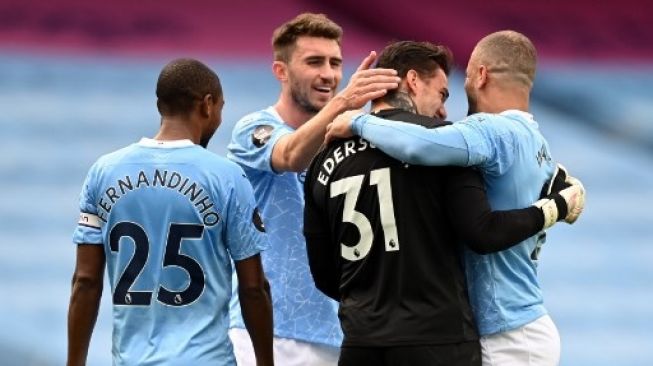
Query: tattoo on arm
[(403, 101)]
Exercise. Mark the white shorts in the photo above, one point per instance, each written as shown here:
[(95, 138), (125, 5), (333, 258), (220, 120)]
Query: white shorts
[(535, 344), (287, 352)]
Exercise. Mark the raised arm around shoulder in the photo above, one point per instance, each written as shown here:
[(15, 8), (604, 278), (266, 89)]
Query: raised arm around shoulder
[(412, 143), (256, 307), (295, 151), (84, 301)]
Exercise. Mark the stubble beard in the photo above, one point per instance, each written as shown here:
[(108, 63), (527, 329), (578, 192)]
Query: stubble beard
[(302, 101)]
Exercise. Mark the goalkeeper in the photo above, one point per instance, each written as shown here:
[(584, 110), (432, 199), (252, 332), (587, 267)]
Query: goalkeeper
[(503, 141)]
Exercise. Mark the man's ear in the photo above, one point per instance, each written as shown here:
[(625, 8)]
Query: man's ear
[(206, 105), (482, 77), (411, 82), (280, 70)]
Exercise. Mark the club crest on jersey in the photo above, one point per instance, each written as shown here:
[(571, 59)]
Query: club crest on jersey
[(258, 221), (261, 135)]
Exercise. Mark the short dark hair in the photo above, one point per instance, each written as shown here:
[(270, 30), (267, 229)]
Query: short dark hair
[(285, 37), (182, 82), (423, 57)]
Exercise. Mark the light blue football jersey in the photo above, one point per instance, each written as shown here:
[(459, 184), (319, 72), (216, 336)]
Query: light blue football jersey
[(514, 158), (171, 216), (300, 310)]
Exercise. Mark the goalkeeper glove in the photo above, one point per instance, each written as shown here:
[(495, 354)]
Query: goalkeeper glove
[(563, 198)]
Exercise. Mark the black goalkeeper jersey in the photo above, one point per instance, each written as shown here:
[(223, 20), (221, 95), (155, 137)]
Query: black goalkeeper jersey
[(383, 238)]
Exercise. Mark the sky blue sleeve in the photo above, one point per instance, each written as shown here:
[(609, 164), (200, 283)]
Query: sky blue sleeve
[(490, 142), (88, 230), (253, 140), (412, 143), (245, 232)]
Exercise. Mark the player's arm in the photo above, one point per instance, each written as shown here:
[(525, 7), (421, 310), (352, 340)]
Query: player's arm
[(256, 307), (84, 301), (319, 244), (294, 151), (245, 238), (323, 265), (486, 231), (407, 142)]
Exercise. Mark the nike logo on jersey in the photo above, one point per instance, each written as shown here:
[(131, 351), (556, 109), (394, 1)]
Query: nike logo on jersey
[(542, 155)]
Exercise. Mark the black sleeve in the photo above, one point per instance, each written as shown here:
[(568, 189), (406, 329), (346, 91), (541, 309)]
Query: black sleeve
[(319, 246), (483, 230)]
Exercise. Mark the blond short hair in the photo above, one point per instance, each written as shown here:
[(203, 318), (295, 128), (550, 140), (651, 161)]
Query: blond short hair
[(509, 53)]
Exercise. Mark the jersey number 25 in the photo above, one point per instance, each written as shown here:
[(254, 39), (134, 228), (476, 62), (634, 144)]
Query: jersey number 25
[(177, 232)]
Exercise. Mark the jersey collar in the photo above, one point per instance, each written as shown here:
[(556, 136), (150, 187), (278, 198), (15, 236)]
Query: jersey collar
[(273, 111), (525, 115), (171, 144)]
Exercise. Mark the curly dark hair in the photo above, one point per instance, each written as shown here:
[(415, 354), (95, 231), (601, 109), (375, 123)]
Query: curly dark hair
[(182, 82), (423, 57)]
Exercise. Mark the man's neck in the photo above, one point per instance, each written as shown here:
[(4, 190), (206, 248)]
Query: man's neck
[(499, 100), (176, 128), (291, 114), (400, 100), (499, 106), (380, 106)]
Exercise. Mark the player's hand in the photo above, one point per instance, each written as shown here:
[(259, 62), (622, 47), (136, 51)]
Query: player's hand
[(563, 198), (557, 183), (340, 128), (574, 196), (367, 84)]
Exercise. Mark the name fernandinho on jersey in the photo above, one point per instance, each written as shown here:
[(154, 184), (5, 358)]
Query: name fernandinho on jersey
[(339, 154), (165, 179)]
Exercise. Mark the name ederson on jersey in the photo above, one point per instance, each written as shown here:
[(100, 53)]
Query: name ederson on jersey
[(171, 180), (350, 148)]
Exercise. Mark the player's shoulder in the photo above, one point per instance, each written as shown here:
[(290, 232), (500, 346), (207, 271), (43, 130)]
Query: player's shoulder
[(211, 161), (341, 149), (265, 116), (489, 124), (115, 157), (499, 118), (255, 129), (338, 155), (483, 117), (215, 170), (522, 118), (320, 156)]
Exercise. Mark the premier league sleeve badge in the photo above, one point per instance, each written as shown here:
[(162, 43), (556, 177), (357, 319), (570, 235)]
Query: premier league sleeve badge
[(261, 135)]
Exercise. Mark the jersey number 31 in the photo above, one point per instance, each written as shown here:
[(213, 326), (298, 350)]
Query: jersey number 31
[(351, 187)]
